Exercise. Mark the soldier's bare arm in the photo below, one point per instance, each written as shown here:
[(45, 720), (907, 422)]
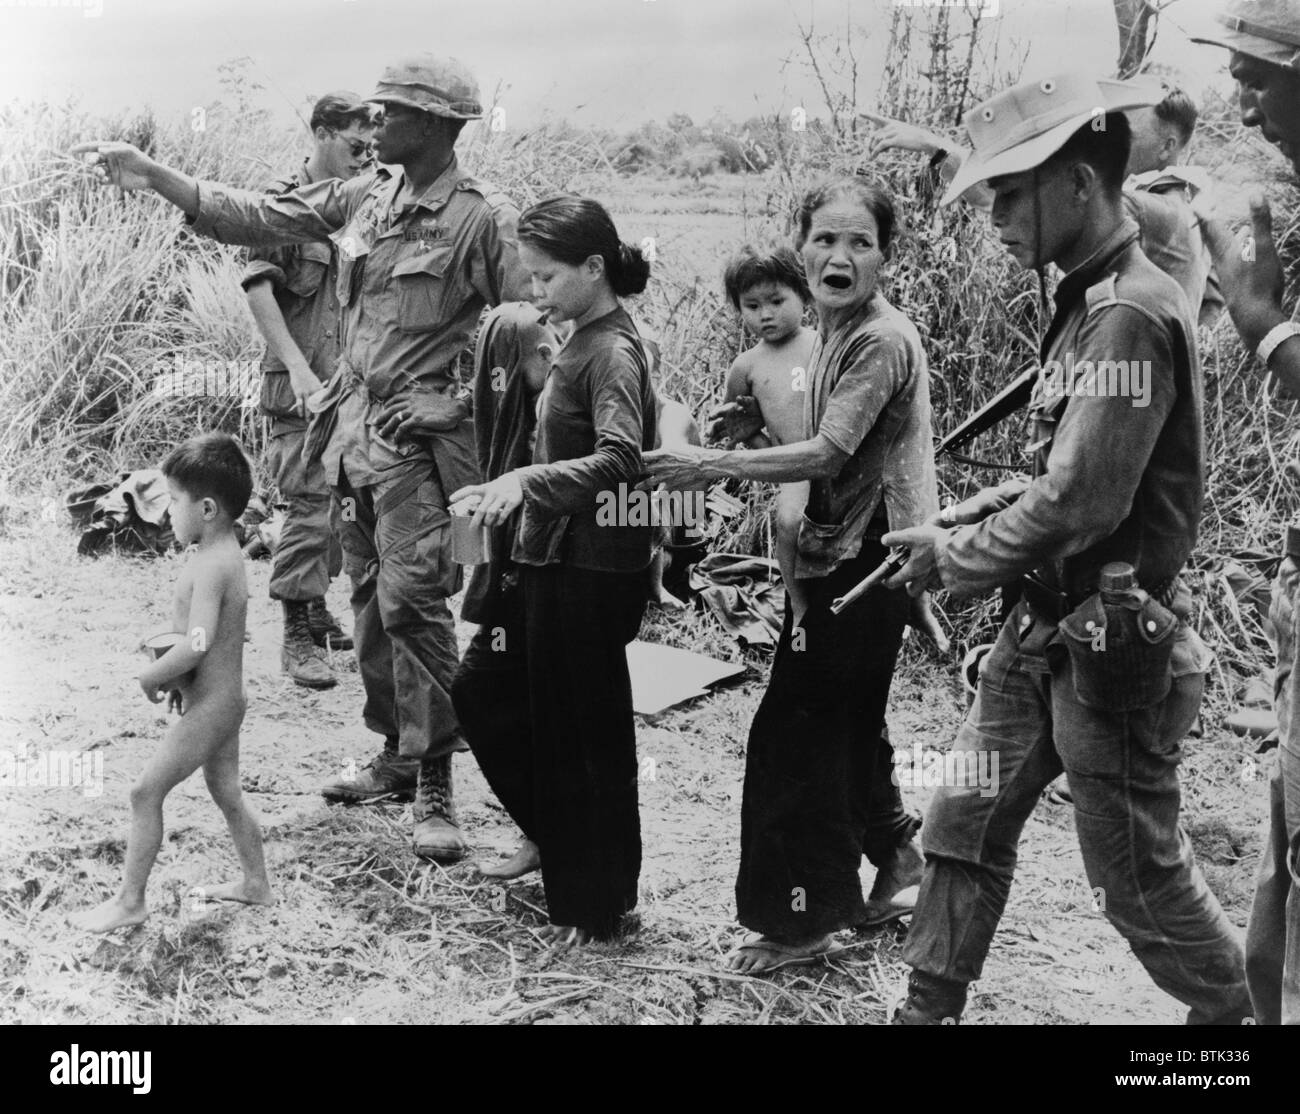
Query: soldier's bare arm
[(270, 323)]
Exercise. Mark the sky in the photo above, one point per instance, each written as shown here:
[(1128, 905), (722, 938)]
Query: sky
[(609, 63)]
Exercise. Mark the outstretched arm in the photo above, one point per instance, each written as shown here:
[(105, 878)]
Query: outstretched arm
[(234, 216), (895, 134), (129, 168)]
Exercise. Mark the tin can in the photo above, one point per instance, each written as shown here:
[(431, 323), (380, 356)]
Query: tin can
[(157, 645), (469, 546)]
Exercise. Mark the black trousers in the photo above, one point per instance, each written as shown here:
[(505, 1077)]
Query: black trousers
[(819, 785), (545, 701)]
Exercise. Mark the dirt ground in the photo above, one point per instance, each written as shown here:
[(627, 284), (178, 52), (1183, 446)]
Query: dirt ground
[(364, 933)]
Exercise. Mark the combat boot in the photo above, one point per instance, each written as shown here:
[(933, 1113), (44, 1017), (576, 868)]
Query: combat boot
[(299, 656), (931, 1001), (387, 776), (325, 629), (437, 834)]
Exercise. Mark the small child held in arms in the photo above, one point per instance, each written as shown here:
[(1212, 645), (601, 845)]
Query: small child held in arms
[(202, 676), (765, 396), (765, 386)]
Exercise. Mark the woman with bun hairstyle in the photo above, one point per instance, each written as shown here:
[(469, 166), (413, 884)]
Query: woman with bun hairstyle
[(543, 693)]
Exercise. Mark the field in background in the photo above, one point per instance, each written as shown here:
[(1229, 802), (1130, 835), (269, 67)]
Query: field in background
[(102, 293)]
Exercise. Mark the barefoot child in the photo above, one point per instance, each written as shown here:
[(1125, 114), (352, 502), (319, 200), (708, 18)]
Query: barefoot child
[(770, 293), (210, 483)]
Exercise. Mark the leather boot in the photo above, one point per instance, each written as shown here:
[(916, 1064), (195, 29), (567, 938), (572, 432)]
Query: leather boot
[(325, 629), (437, 834), (387, 776), (299, 656), (931, 1001)]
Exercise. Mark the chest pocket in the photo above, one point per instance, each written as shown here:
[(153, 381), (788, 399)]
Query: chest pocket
[(304, 277), (426, 282)]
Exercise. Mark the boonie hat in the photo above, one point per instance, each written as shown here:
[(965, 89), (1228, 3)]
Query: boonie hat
[(1264, 29), (442, 86), (1024, 126)]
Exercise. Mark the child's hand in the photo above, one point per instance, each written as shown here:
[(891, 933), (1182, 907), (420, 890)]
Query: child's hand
[(174, 702), (736, 421), (152, 691)]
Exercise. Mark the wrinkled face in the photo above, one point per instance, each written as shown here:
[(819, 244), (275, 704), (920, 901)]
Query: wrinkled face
[(401, 134), (345, 153), (1033, 235), (1270, 101), (563, 291), (842, 255), (1151, 148), (771, 310), (188, 514)]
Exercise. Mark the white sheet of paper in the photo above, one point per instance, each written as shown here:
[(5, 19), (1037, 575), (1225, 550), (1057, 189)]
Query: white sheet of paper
[(663, 676)]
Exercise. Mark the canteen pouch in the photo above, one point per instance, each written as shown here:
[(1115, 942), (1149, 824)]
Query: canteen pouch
[(1120, 653)]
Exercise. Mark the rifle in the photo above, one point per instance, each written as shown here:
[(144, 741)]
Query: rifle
[(1007, 401)]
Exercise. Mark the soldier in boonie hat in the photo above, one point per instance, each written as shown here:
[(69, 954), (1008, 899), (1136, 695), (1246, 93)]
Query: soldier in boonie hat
[(1117, 454), (1025, 126), (442, 86)]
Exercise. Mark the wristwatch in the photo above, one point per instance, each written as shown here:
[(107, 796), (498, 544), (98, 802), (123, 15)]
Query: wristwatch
[(1275, 338)]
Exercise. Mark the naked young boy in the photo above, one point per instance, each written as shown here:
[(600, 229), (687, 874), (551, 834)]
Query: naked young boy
[(202, 677)]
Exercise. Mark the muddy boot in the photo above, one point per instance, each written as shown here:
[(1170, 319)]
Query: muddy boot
[(436, 836), (298, 656), (387, 776), (931, 1001), (325, 629)]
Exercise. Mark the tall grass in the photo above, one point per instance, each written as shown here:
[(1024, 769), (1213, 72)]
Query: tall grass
[(101, 292)]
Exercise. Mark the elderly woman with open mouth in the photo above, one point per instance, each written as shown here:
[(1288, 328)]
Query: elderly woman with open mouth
[(819, 790)]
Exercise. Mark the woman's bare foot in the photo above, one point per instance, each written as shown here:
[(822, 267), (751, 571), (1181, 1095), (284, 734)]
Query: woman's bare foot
[(893, 894), (561, 937), (113, 913), (524, 861), (662, 597), (249, 893), (760, 955)]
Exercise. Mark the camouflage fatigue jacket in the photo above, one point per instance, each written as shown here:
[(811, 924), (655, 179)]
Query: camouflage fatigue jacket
[(412, 282)]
